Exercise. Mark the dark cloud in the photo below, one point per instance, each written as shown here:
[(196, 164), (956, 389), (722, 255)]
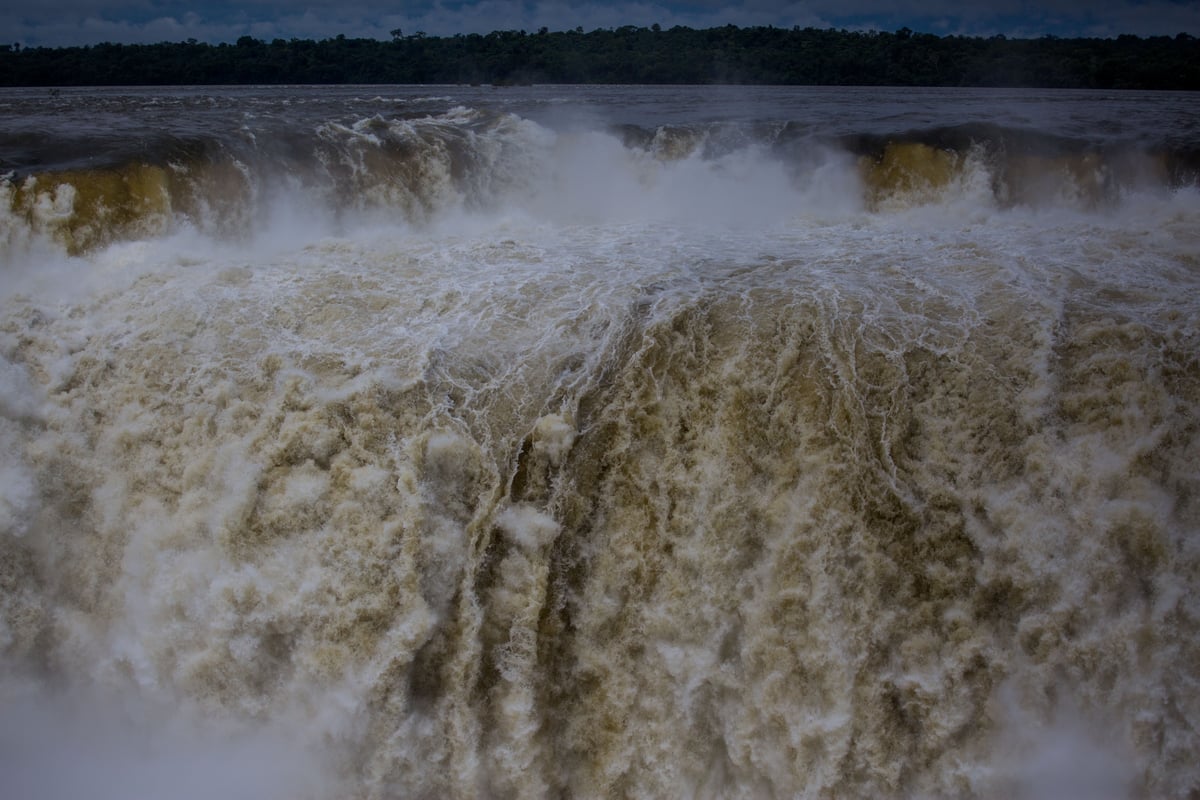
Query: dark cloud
[(63, 22)]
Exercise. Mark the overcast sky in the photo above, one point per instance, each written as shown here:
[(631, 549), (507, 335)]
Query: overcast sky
[(67, 22)]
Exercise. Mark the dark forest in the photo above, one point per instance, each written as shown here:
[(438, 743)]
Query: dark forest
[(628, 55)]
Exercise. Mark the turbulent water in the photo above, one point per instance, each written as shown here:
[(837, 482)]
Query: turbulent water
[(402, 442)]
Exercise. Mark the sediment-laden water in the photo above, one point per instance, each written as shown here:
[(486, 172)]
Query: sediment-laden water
[(391, 442)]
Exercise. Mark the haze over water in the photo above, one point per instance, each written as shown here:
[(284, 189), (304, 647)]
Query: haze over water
[(381, 442)]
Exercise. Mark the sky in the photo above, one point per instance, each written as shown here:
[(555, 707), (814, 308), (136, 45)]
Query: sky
[(54, 23)]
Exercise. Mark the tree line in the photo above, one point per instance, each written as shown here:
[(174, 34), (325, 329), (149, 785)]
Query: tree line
[(626, 55)]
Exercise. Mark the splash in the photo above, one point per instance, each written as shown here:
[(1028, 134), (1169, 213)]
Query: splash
[(430, 170)]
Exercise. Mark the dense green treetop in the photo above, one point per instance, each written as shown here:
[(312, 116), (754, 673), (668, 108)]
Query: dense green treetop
[(761, 55)]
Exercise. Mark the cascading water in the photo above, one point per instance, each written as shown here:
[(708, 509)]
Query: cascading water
[(482, 445)]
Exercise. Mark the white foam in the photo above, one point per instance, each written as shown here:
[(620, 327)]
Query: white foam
[(530, 528), (553, 436)]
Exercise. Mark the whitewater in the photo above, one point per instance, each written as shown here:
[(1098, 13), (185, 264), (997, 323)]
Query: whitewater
[(599, 442)]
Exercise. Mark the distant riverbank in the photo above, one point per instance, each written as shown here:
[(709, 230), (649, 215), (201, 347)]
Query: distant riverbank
[(628, 55)]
